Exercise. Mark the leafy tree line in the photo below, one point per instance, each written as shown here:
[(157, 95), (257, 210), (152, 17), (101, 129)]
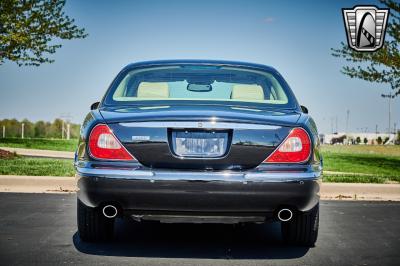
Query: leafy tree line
[(31, 30), (39, 129)]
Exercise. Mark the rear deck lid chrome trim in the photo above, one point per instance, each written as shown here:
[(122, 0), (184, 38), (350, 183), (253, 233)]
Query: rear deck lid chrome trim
[(199, 124)]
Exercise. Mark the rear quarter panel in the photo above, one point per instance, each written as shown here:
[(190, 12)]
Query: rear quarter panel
[(92, 118)]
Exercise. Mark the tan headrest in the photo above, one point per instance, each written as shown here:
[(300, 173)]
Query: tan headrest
[(247, 92), (153, 90)]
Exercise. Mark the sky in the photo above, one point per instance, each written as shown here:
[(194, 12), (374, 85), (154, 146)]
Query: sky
[(295, 37)]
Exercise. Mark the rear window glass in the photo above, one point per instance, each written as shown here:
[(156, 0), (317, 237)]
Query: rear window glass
[(199, 83)]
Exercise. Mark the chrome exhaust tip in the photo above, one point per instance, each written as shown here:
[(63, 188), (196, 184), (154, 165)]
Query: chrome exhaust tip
[(285, 215), (110, 211)]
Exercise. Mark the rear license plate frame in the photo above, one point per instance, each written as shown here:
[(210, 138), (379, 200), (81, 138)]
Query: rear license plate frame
[(181, 140)]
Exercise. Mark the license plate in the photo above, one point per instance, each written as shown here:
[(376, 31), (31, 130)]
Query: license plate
[(199, 144)]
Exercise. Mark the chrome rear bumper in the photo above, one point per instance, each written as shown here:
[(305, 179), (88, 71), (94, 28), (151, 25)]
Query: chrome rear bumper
[(230, 176), (171, 195)]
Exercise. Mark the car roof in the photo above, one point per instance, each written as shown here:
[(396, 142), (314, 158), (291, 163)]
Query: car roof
[(200, 62)]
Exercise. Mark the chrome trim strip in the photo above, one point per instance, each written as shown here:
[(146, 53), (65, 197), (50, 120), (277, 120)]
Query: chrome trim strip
[(279, 175), (199, 124), (206, 176), (170, 218), (114, 173)]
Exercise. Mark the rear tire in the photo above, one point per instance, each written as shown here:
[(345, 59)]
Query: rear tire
[(302, 230), (92, 225)]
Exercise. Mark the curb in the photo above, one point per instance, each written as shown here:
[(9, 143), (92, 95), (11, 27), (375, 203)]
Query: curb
[(37, 184), (360, 191), (41, 153)]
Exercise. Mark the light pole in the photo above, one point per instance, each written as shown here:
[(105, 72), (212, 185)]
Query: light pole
[(62, 130), (68, 130), (66, 117), (390, 112), (22, 130), (347, 126), (4, 132), (336, 124)]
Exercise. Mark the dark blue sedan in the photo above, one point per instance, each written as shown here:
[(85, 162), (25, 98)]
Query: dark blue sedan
[(200, 142)]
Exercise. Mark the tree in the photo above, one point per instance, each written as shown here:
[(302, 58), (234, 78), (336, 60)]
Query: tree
[(75, 130), (365, 140), (12, 128), (40, 129), (358, 140), (56, 129), (30, 29), (382, 66), (379, 140)]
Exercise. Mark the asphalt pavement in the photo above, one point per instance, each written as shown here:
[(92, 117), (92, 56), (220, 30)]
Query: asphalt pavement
[(40, 229)]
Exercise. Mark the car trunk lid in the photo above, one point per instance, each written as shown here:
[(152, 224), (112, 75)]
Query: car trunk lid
[(199, 137)]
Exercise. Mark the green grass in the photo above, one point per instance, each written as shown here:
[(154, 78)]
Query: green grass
[(367, 163), (36, 167), (379, 150), (41, 144), (354, 179)]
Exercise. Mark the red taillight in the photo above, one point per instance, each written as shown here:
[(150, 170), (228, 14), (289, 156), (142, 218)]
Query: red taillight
[(296, 148), (104, 145)]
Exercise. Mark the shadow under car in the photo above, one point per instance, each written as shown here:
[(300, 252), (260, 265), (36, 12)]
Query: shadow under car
[(208, 241)]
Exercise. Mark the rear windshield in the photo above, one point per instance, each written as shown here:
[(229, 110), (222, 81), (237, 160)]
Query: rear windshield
[(198, 83)]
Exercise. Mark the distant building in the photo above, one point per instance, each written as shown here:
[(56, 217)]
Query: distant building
[(351, 138)]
